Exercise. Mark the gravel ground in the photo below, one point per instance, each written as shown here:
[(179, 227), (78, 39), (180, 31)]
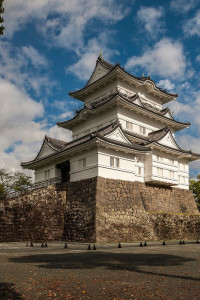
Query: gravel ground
[(132, 272)]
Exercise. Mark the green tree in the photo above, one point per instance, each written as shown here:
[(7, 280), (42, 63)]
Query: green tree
[(5, 182), (13, 182), (1, 18), (195, 188), (21, 182)]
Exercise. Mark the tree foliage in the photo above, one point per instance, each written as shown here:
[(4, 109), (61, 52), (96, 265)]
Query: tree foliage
[(13, 182), (195, 188), (1, 18)]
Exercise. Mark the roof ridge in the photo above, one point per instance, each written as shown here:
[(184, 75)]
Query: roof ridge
[(160, 130)]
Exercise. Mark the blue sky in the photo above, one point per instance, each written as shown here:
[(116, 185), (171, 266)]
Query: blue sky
[(49, 48)]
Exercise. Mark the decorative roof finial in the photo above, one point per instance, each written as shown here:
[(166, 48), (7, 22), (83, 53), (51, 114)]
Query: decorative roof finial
[(100, 54)]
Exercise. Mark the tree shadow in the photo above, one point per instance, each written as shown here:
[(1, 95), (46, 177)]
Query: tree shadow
[(7, 291), (110, 261)]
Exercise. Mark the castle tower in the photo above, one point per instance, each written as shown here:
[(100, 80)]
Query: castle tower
[(122, 133)]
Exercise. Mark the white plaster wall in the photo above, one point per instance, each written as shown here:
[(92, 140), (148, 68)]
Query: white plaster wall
[(183, 174), (40, 173), (91, 169), (125, 114), (101, 93), (128, 166), (130, 90), (126, 89), (95, 122), (98, 164), (151, 171)]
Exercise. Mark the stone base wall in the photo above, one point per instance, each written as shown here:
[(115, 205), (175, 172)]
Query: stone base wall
[(100, 210), (37, 216), (128, 211), (80, 211)]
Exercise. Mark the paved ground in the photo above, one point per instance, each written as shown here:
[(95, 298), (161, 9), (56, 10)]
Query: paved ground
[(153, 272)]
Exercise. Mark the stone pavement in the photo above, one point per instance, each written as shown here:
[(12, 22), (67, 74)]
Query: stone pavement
[(132, 272)]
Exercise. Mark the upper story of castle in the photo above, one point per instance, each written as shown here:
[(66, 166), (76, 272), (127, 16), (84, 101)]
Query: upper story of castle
[(107, 79), (112, 93)]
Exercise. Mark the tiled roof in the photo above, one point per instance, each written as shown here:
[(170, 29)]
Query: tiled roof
[(131, 100), (56, 144), (104, 63), (117, 65), (158, 134), (101, 133)]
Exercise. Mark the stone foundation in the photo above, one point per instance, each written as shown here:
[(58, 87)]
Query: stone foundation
[(128, 211), (100, 210), (37, 216)]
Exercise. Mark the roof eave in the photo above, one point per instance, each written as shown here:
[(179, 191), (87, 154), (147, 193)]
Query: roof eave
[(70, 123), (96, 140)]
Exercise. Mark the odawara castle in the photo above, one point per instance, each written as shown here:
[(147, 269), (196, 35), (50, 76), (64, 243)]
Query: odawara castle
[(122, 178), (122, 133)]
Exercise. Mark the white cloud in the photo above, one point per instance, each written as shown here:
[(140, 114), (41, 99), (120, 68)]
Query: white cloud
[(189, 142), (166, 84), (86, 63), (166, 59), (151, 19), (21, 135), (36, 59), (188, 111), (65, 27), (192, 26), (14, 67), (198, 58), (183, 6)]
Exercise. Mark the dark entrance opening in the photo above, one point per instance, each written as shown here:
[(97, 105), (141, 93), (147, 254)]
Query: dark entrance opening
[(65, 171)]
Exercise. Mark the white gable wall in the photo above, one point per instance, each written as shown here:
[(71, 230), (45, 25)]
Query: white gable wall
[(118, 135), (168, 140), (46, 150), (99, 72)]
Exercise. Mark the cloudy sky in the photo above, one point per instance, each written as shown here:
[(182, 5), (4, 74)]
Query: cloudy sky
[(49, 48)]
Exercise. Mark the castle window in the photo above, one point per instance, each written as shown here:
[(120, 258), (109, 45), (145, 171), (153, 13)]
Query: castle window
[(82, 163), (159, 171), (159, 158), (181, 167), (129, 126), (139, 171), (171, 174), (142, 130), (114, 162), (47, 174), (171, 161)]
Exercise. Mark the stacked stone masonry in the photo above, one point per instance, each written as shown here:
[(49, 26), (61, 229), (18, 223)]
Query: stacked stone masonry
[(100, 210), (35, 216)]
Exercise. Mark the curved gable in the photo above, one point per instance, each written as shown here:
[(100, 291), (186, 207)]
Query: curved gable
[(118, 135), (45, 150), (168, 140)]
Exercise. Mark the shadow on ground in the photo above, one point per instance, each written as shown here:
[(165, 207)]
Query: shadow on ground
[(7, 291), (109, 261)]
